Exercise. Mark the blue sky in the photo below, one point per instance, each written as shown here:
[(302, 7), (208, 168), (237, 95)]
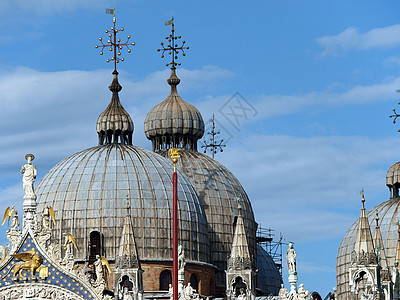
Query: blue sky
[(321, 77)]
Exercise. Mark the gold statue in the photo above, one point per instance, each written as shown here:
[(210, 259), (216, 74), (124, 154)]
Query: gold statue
[(175, 155), (12, 214), (69, 239), (31, 262)]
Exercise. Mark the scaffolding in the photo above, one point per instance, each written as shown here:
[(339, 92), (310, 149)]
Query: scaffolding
[(265, 238)]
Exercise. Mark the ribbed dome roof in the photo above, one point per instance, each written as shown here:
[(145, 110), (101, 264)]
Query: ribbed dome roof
[(88, 192), (220, 193), (393, 175), (389, 215), (114, 124), (268, 278), (174, 122)]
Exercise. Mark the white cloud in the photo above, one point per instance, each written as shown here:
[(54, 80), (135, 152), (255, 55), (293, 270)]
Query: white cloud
[(312, 181), (351, 38)]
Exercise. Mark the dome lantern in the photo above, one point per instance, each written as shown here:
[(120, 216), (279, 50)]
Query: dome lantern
[(114, 125), (173, 123)]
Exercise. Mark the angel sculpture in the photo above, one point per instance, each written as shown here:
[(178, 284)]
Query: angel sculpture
[(12, 214), (98, 267), (47, 213), (68, 240)]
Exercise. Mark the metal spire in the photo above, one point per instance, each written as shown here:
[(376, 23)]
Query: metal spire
[(213, 144), (114, 43), (172, 46)]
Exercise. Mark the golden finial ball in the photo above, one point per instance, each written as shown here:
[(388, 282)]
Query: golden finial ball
[(101, 53), (110, 49), (175, 160), (112, 28), (133, 44), (96, 46), (129, 51), (100, 39), (122, 29), (122, 59), (119, 40)]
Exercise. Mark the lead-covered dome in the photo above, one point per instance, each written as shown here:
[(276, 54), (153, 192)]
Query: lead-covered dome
[(269, 279), (220, 193), (174, 122), (89, 191)]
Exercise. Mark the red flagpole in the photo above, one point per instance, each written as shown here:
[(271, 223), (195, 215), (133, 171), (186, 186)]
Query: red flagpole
[(175, 236)]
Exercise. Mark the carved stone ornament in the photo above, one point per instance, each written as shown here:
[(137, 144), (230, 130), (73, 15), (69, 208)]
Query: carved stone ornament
[(26, 291), (127, 262), (239, 263), (364, 258)]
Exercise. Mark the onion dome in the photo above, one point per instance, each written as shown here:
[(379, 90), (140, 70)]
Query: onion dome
[(269, 279), (88, 192), (174, 123), (114, 125)]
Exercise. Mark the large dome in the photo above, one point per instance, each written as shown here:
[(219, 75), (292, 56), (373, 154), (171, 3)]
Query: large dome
[(89, 192), (389, 215), (220, 193)]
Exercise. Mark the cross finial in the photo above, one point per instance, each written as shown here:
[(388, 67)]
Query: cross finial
[(172, 46), (213, 143), (113, 43), (362, 197)]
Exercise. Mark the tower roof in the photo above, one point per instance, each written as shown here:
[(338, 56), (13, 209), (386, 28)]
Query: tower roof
[(240, 258), (127, 256), (364, 241)]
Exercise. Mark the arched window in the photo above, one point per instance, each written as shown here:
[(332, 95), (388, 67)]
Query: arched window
[(165, 280), (125, 282), (95, 245), (194, 283), (239, 286)]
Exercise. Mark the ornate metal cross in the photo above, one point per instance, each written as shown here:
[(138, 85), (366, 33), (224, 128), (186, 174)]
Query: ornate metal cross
[(113, 43), (172, 46), (213, 144)]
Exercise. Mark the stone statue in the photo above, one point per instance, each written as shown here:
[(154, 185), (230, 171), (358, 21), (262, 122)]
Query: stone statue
[(189, 291), (242, 295), (302, 293), (181, 258), (29, 175), (98, 268), (126, 295), (12, 214), (283, 293), (291, 259)]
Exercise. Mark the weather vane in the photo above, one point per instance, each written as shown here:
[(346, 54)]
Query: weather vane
[(113, 43), (172, 46), (213, 144)]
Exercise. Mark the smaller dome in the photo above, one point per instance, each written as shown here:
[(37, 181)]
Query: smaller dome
[(393, 175), (269, 279), (114, 125), (174, 122)]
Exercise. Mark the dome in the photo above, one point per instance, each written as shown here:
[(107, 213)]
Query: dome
[(269, 279), (93, 190), (389, 215), (220, 193), (114, 124), (174, 122)]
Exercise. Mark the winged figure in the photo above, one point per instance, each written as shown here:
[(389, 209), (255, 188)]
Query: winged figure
[(11, 213), (104, 262), (69, 239), (47, 213), (31, 261)]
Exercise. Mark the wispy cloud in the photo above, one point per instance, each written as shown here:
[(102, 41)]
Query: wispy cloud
[(351, 38)]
